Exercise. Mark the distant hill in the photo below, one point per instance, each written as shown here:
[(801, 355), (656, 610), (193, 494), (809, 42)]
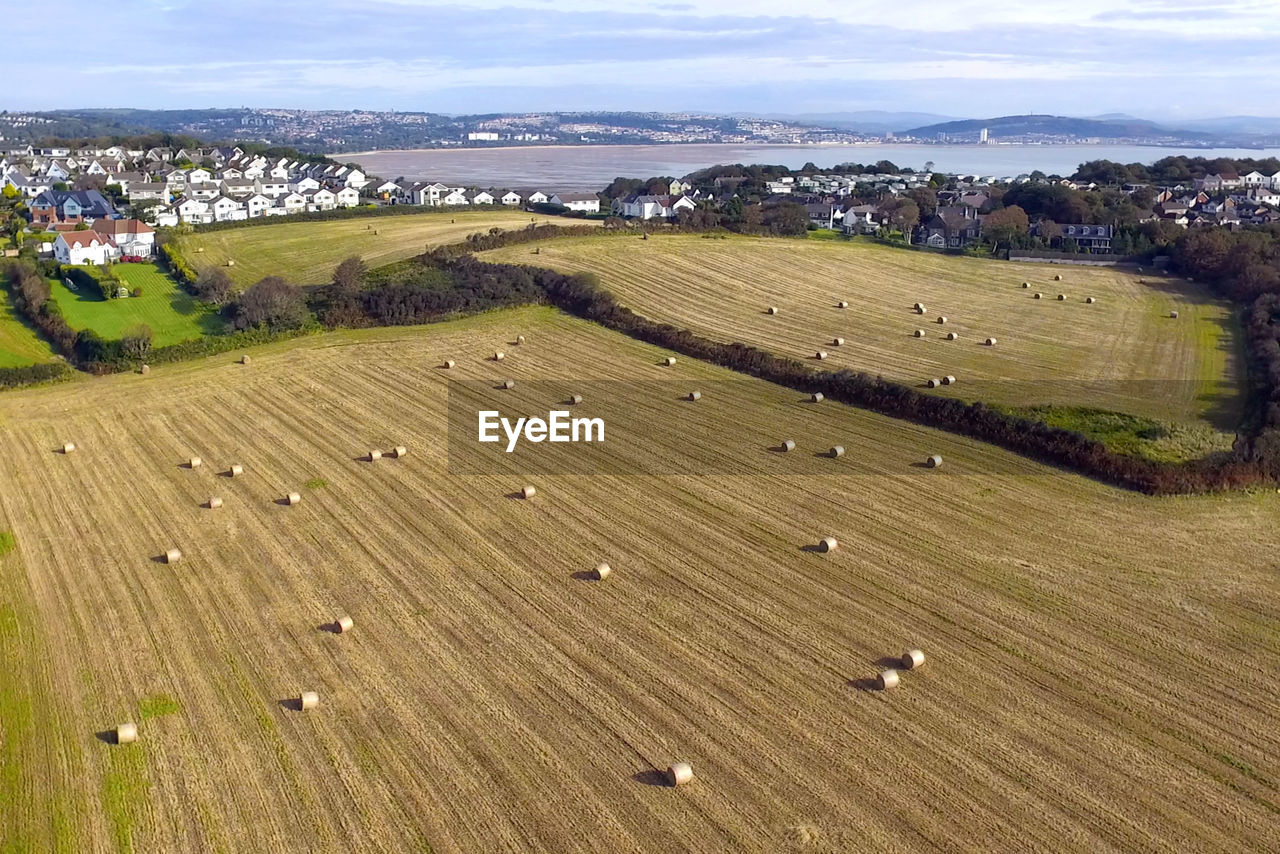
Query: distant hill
[(1034, 125), (1235, 124)]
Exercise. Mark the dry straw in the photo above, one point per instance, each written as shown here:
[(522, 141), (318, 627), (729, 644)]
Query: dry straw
[(680, 774), (499, 356), (69, 448), (837, 342), (575, 399), (773, 309), (172, 556), (887, 679), (244, 360), (399, 451), (345, 624), (1062, 297), (1058, 278), (195, 463), (920, 309), (952, 336), (508, 384), (144, 370), (215, 502), (1090, 300), (828, 544), (374, 456), (292, 498), (309, 700), (948, 380), (528, 492), (842, 304), (934, 383), (126, 733), (1038, 296), (821, 354), (1173, 314), (601, 571), (237, 470), (817, 397), (942, 318), (519, 339), (912, 658), (1026, 284)]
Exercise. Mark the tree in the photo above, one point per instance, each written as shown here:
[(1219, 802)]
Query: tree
[(214, 286), (350, 273), (272, 302), (1048, 231), (926, 199), (85, 181), (902, 213), (787, 219), (1006, 225), (136, 342)]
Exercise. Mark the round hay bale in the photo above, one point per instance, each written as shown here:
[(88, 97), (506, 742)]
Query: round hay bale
[(519, 339), (920, 309), (821, 354), (934, 461), (199, 248), (144, 370), (292, 498), (601, 572), (399, 451), (344, 624), (1026, 284), (1058, 277), (1062, 297), (374, 456), (195, 463), (953, 336), (508, 384), (836, 452), (934, 383), (236, 470), (69, 448), (887, 680), (942, 318), (773, 309), (231, 262), (244, 360), (680, 774), (919, 333), (695, 395), (817, 397), (991, 342), (499, 356), (215, 502), (1090, 300), (172, 556), (448, 363), (1038, 296), (309, 700), (528, 492), (788, 445), (842, 304), (669, 361), (828, 544), (837, 342), (912, 658), (126, 733), (575, 399), (1173, 314), (948, 380)]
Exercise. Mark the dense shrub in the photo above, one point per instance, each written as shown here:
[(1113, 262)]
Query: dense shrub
[(272, 303), (29, 293), (34, 374), (170, 258)]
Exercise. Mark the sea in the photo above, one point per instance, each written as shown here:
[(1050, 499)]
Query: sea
[(589, 168)]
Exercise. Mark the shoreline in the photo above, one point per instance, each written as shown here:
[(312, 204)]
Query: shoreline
[(823, 145)]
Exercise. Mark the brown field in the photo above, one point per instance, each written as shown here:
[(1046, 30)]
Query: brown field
[(1103, 668), (1123, 353), (305, 253)]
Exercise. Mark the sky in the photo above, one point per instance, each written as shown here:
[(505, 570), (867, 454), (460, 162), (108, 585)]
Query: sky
[(962, 58)]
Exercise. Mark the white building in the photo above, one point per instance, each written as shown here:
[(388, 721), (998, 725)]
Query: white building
[(585, 202), (82, 247)]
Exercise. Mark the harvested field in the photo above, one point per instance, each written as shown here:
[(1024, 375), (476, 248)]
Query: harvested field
[(1123, 353), (305, 253), (1106, 682)]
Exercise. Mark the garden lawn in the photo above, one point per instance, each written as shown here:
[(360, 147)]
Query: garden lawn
[(19, 344), (173, 314)]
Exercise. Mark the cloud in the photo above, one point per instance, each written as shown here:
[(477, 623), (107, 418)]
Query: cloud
[(487, 55)]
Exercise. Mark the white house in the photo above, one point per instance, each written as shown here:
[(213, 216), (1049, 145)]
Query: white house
[(347, 197), (82, 247), (537, 197), (223, 209), (511, 197), (456, 196), (204, 192), (428, 194), (482, 198), (386, 188), (199, 176), (256, 205), (131, 236), (146, 190), (274, 187), (1255, 179), (585, 202), (292, 203), (321, 200), (354, 179), (192, 210)]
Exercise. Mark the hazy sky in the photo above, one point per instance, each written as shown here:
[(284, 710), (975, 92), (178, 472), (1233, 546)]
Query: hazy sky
[(1176, 58)]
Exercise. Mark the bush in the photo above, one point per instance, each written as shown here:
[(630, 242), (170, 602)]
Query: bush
[(34, 374), (137, 292), (272, 303)]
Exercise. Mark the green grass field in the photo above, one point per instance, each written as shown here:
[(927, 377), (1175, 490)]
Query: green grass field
[(305, 253), (19, 343), (173, 314)]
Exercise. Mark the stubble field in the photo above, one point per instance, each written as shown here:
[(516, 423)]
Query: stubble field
[(1122, 353), (1102, 667)]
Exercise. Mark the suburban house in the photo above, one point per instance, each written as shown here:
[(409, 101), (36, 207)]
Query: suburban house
[(952, 227), (455, 197), (537, 197), (511, 197), (131, 236), (82, 247), (274, 187), (223, 209), (70, 206), (1089, 238), (652, 207), (257, 204), (860, 219), (585, 202), (347, 197)]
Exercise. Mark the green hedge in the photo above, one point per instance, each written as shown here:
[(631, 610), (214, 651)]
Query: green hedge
[(34, 374)]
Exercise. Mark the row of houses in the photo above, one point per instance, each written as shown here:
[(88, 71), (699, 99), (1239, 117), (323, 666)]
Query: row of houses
[(435, 194)]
